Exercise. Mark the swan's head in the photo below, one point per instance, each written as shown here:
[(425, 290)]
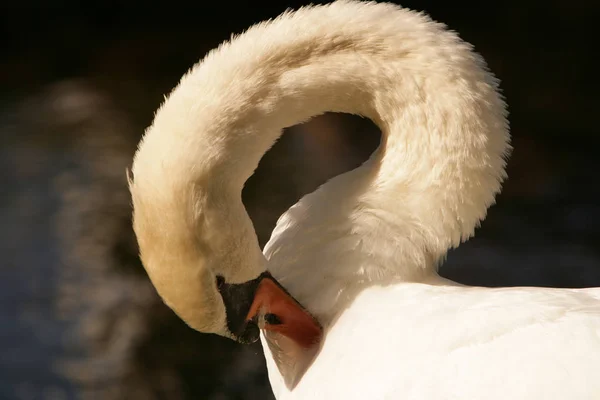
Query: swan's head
[(200, 249)]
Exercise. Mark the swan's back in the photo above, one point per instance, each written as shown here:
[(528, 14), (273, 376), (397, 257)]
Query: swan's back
[(420, 341)]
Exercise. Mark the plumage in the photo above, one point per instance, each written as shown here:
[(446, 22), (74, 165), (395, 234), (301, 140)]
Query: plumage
[(361, 253)]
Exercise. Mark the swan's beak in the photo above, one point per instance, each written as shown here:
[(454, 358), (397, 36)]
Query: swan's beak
[(274, 309), (263, 303)]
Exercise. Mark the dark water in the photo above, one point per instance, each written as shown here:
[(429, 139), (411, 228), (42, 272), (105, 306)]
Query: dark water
[(32, 336), (79, 318)]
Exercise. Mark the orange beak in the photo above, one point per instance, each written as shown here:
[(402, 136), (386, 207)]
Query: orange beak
[(281, 313)]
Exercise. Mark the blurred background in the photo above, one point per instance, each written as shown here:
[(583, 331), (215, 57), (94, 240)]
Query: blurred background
[(79, 83)]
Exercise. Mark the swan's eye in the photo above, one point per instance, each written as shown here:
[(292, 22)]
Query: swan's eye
[(220, 282)]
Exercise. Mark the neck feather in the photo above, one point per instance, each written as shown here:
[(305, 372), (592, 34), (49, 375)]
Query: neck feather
[(439, 166)]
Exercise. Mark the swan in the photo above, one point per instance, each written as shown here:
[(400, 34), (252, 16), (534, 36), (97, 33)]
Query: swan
[(345, 297)]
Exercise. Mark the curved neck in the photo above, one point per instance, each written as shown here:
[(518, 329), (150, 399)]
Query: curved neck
[(441, 160)]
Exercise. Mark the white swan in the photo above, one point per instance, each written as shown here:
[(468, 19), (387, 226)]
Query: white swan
[(360, 253)]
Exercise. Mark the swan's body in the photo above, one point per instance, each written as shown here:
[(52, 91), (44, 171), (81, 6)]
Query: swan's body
[(361, 253), (420, 341)]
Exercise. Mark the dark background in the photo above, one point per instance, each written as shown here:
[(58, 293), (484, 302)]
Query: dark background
[(80, 82)]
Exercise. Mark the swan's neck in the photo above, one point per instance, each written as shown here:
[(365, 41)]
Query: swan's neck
[(426, 188)]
